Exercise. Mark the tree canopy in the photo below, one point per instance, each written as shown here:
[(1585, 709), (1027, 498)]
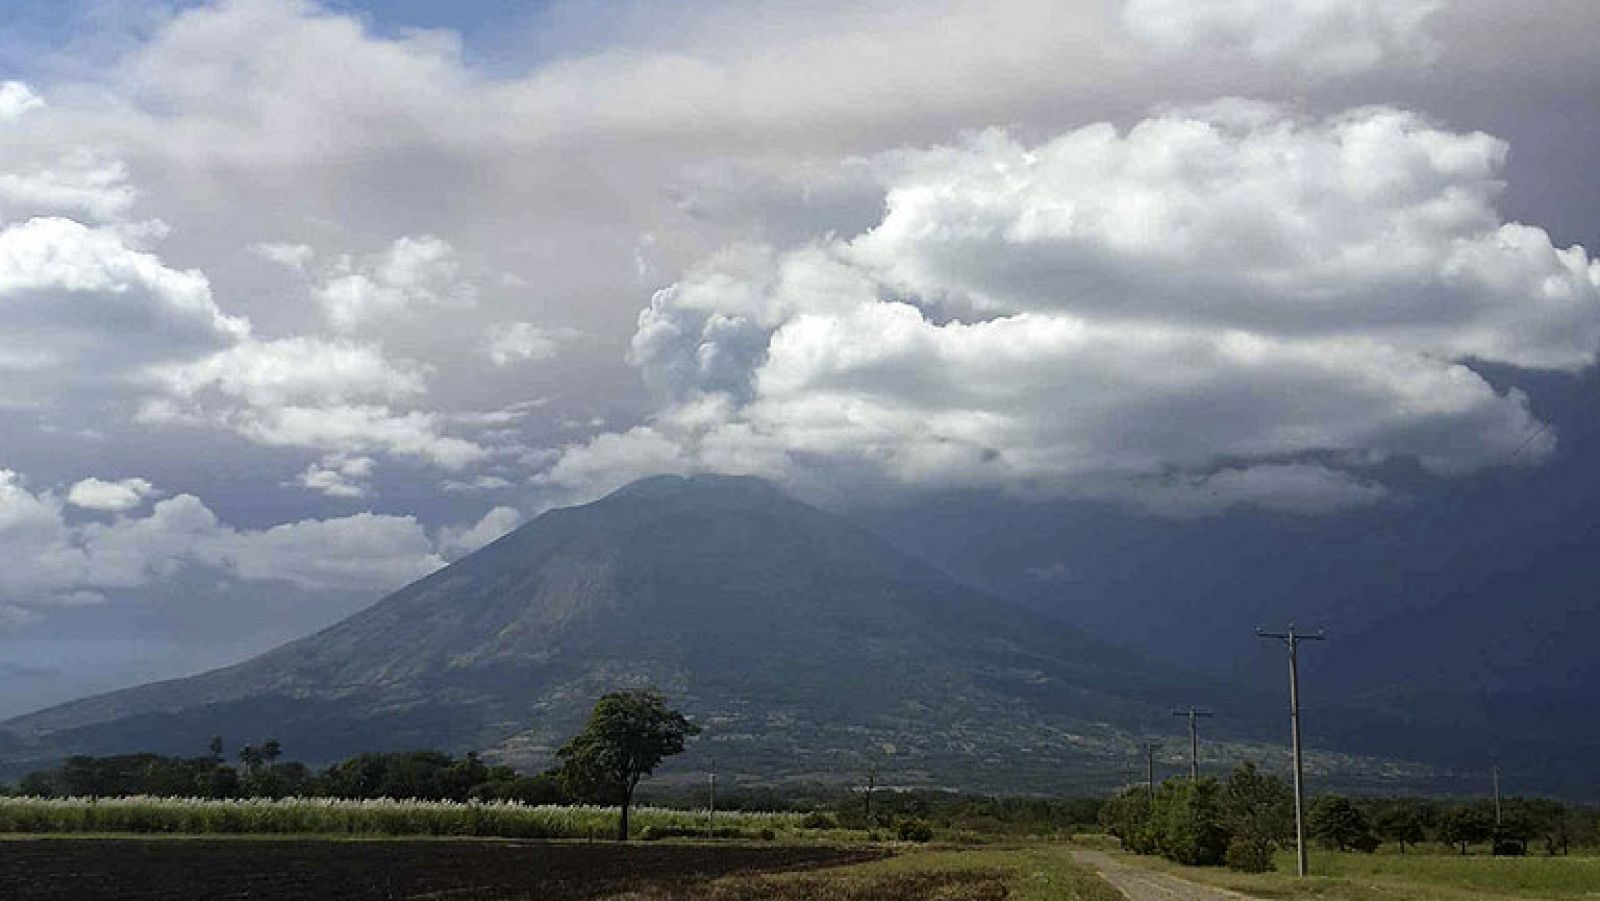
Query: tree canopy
[(627, 736)]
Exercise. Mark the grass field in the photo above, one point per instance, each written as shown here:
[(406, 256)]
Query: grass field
[(1431, 874), (1012, 871)]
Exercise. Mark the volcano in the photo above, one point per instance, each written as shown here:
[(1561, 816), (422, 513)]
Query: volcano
[(807, 646)]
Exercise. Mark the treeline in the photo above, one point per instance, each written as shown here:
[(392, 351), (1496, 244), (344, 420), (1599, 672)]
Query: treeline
[(1243, 820), (882, 808), (423, 775)]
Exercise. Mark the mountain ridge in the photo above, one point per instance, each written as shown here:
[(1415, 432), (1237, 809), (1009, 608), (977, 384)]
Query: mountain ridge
[(802, 641)]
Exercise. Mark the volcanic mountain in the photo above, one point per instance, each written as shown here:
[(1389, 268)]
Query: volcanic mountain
[(803, 643)]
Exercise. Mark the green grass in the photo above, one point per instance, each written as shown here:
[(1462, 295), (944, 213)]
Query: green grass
[(1014, 871), (1422, 876), (325, 816)]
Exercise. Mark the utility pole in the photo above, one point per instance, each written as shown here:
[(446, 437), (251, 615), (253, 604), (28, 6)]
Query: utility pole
[(1292, 640), (1194, 739), (872, 785), (1150, 770), (1496, 774), (711, 798)]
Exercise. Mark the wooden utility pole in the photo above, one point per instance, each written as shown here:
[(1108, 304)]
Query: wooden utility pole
[(872, 785), (1150, 770), (1496, 775), (711, 799), (1292, 639), (1194, 739)]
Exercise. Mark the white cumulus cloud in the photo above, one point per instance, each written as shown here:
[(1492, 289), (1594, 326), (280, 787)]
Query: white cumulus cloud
[(113, 496), (1217, 306), (457, 541), (60, 564), (17, 99), (523, 341), (413, 272), (303, 370), (338, 475)]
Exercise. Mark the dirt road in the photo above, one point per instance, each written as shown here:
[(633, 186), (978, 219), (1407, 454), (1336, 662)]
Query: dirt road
[(1140, 884)]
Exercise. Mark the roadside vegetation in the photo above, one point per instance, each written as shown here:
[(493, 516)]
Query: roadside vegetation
[(1238, 834), (1431, 873), (1246, 820)]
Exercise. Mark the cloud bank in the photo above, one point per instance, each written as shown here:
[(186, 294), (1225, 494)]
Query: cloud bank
[(1221, 305)]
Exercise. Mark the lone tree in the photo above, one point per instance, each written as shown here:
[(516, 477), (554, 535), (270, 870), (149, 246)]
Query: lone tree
[(1465, 825), (628, 734), (1404, 821), (1339, 824)]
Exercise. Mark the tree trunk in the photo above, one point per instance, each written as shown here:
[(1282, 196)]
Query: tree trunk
[(622, 825)]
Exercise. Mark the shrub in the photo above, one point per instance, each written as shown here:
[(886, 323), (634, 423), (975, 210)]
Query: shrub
[(915, 830), (658, 832), (1127, 816), (1249, 855), (768, 835), (1187, 821), (818, 820)]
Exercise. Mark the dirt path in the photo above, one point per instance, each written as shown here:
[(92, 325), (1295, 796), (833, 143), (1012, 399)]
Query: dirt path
[(1140, 884)]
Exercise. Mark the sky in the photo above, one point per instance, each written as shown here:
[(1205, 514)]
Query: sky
[(300, 301)]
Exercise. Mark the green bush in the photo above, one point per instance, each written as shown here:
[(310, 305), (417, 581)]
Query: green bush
[(818, 820), (1187, 821), (915, 830), (1127, 816), (656, 833), (1249, 855)]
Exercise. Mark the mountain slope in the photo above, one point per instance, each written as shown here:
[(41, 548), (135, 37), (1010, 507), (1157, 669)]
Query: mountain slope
[(801, 641)]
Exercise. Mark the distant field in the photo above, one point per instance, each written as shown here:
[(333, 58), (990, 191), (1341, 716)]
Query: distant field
[(191, 869), (327, 816), (1432, 874)]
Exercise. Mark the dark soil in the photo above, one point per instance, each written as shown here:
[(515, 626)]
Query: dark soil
[(206, 870)]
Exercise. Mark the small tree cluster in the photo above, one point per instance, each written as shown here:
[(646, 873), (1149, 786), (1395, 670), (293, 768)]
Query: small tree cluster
[(1255, 813), (423, 775), (1205, 823), (1127, 816)]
